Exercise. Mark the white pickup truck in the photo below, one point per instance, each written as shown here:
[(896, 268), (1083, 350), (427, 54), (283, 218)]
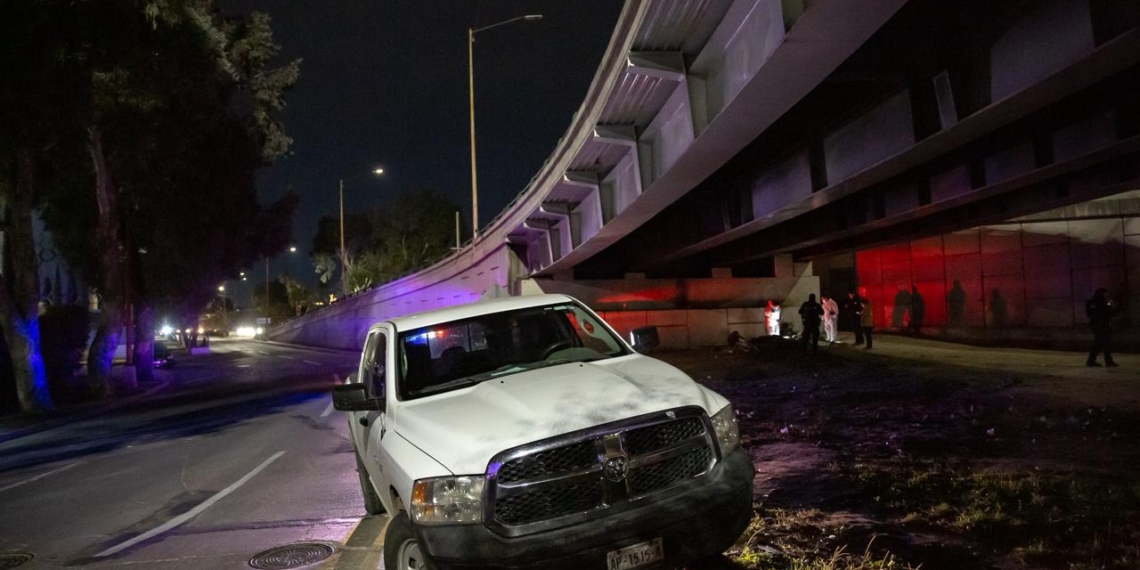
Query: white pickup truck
[(525, 433)]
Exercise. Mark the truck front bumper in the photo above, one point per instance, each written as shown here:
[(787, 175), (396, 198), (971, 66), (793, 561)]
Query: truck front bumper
[(701, 521)]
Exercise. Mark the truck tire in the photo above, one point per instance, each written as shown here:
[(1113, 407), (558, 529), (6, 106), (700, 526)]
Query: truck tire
[(401, 548), (372, 504)]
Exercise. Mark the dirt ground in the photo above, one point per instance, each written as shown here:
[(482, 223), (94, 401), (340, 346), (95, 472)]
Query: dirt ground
[(872, 461)]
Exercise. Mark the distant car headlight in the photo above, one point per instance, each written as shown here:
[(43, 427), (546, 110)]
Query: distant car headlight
[(448, 500), (727, 431)]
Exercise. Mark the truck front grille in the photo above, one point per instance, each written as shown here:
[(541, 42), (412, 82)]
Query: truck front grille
[(663, 474), (659, 436), (549, 503), (556, 461), (547, 484)]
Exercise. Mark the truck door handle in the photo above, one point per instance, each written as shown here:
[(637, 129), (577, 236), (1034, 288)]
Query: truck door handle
[(364, 421)]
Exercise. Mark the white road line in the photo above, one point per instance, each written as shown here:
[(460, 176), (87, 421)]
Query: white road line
[(286, 357), (184, 517), (41, 476), (311, 362), (327, 411)]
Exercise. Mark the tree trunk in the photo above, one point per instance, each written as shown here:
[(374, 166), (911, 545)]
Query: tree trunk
[(101, 356), (144, 342), (19, 288)]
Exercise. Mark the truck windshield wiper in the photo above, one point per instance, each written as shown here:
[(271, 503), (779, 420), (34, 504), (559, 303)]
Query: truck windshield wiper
[(451, 385)]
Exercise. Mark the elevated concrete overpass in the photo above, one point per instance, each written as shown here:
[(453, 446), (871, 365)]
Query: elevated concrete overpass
[(731, 151)]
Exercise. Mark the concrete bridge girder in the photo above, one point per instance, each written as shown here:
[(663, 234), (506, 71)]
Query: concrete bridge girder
[(1045, 150), (719, 98)]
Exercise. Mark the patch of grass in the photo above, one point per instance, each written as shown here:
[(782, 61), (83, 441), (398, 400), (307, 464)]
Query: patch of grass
[(787, 539), (838, 559), (1034, 516), (841, 560)]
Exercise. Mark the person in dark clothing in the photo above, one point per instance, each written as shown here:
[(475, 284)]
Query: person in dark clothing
[(867, 322), (811, 313), (1100, 310), (853, 308)]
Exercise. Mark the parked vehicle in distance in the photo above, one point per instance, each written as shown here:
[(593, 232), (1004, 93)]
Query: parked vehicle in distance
[(525, 433), (163, 358)]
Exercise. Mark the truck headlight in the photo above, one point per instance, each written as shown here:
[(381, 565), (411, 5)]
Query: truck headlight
[(444, 500), (727, 432)]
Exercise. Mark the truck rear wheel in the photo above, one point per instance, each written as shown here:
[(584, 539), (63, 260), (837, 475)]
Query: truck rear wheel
[(372, 504), (401, 548)]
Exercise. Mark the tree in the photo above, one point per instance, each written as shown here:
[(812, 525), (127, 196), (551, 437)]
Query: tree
[(299, 296), (41, 91), (325, 266), (279, 308), (385, 243), (163, 111), (419, 230)]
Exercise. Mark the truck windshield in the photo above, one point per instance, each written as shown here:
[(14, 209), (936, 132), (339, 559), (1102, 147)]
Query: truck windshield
[(452, 355)]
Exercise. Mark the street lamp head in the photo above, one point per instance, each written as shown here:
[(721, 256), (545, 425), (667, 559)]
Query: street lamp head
[(378, 171), (292, 249), (532, 17), (222, 288)]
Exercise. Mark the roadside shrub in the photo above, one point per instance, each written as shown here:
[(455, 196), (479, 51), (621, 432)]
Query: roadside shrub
[(63, 338)]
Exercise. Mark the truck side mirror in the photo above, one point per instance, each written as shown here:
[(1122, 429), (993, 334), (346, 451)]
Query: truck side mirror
[(354, 398), (644, 339)]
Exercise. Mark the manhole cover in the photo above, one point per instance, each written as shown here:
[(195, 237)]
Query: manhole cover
[(289, 556), (13, 560)]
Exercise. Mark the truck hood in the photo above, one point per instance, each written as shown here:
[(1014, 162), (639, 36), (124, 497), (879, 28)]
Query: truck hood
[(463, 429)]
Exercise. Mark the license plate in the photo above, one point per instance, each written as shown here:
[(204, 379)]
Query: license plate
[(636, 556)]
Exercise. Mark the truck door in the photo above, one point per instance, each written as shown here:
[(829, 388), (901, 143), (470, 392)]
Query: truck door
[(373, 374)]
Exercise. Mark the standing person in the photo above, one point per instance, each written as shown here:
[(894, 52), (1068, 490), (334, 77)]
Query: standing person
[(1100, 310), (830, 319), (810, 312), (853, 307), (772, 316), (867, 321)]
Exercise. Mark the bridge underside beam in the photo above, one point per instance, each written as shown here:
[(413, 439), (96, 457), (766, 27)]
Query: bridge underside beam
[(892, 138)]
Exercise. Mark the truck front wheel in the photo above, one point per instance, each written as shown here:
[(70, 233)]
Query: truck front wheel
[(401, 549), (372, 504)]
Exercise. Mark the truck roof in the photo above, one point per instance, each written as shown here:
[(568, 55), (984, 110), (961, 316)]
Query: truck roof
[(477, 308)]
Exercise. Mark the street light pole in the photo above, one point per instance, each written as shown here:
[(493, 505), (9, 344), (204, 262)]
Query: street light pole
[(471, 101), (471, 105), (343, 252), (267, 293), (343, 259), (225, 326)]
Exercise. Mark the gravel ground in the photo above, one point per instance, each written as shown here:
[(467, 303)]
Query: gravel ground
[(873, 461)]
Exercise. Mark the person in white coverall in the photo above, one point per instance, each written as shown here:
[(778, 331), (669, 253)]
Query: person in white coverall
[(772, 315), (830, 319)]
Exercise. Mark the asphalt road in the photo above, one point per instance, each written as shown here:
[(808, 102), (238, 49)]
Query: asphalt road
[(239, 453)]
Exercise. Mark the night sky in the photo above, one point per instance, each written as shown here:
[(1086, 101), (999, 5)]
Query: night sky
[(385, 84)]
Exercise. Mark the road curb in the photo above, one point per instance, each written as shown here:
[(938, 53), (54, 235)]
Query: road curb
[(163, 382)]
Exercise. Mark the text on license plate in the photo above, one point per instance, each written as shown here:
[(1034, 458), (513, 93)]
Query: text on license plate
[(636, 556)]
